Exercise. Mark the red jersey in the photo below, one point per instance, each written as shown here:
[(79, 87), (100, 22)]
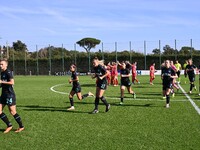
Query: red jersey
[(134, 67), (152, 69)]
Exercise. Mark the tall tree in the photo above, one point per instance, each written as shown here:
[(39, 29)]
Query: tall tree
[(156, 51), (19, 46), (167, 50), (88, 44)]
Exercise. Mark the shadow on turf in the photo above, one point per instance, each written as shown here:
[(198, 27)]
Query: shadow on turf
[(87, 85), (48, 108), (133, 105)]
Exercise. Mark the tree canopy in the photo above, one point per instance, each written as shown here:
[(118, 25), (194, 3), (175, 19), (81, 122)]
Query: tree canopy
[(19, 46), (88, 43)]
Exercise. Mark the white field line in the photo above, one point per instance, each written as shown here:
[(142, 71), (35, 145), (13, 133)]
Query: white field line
[(115, 98), (191, 101)]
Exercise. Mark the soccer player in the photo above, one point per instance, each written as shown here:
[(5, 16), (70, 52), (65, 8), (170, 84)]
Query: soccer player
[(185, 72), (8, 97), (114, 74), (167, 75), (125, 81), (178, 68), (174, 83), (108, 68), (134, 73), (190, 69), (152, 73), (76, 88), (101, 84)]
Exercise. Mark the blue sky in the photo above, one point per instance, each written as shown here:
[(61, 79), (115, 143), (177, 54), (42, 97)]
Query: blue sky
[(57, 22)]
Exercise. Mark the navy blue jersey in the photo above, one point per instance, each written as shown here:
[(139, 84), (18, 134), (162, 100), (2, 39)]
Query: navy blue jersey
[(167, 73), (7, 89), (190, 70), (125, 72), (99, 72), (74, 77)]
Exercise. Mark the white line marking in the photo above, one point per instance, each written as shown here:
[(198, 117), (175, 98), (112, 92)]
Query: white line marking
[(52, 89), (115, 98), (191, 101)]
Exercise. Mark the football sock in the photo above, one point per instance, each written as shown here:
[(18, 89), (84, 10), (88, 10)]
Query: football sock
[(18, 119), (122, 99), (5, 119), (167, 99), (85, 95), (103, 99), (71, 101), (96, 103), (191, 86)]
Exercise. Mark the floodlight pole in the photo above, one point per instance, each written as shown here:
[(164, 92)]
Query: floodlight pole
[(145, 57), (160, 52), (37, 60), (191, 48), (116, 51), (102, 51), (175, 50), (130, 46)]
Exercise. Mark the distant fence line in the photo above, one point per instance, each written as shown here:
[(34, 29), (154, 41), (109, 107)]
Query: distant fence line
[(49, 66)]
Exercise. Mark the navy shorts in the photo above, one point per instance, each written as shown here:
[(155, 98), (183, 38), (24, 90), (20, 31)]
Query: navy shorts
[(191, 78), (102, 86), (9, 100), (76, 89), (126, 83), (167, 85)]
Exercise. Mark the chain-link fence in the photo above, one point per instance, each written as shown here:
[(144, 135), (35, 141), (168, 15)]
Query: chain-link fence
[(55, 59)]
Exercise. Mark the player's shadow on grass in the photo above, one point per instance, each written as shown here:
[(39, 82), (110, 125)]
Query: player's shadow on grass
[(134, 105), (48, 108), (87, 85)]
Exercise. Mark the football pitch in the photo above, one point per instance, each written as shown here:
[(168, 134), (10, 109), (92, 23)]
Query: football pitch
[(141, 123)]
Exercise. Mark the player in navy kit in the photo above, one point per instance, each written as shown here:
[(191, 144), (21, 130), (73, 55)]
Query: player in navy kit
[(101, 84), (167, 75), (76, 88), (190, 69), (8, 97), (125, 81)]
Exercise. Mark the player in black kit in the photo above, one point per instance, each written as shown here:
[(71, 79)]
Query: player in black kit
[(167, 75), (190, 69), (8, 97), (125, 81), (76, 88), (101, 84)]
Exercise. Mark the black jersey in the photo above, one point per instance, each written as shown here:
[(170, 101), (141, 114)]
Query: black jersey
[(99, 72), (74, 77), (7, 89), (167, 73), (190, 70), (125, 72)]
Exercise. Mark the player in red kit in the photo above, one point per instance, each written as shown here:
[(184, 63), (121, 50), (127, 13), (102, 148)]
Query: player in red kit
[(152, 73)]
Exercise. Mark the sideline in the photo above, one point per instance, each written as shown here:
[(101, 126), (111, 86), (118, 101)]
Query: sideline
[(191, 101), (114, 98)]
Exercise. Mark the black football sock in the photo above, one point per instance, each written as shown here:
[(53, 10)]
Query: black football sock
[(71, 101), (18, 119), (103, 99), (96, 103), (5, 119), (191, 86), (167, 99), (122, 99), (85, 95)]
